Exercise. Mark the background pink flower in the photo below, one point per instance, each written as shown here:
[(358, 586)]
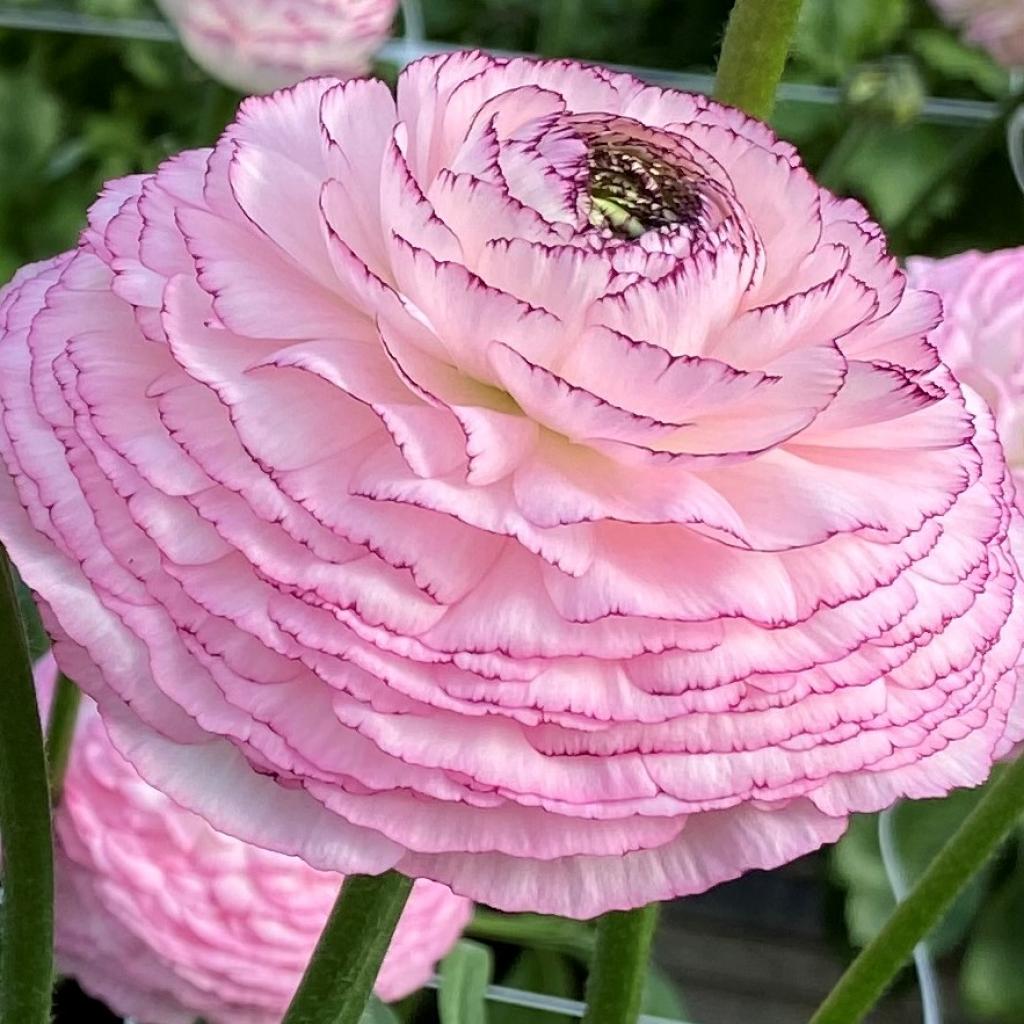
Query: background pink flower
[(261, 45), (994, 25), (165, 919), (538, 484), (981, 336)]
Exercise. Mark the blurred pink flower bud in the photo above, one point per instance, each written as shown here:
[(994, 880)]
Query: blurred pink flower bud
[(261, 45), (995, 25)]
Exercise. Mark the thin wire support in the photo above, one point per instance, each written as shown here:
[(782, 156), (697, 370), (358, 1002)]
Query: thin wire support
[(927, 980), (547, 1004), (415, 26)]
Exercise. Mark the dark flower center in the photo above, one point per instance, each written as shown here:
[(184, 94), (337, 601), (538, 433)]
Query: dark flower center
[(634, 189)]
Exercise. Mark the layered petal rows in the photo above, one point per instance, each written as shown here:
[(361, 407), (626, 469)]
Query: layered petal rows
[(536, 483), (166, 920), (981, 337), (261, 45)]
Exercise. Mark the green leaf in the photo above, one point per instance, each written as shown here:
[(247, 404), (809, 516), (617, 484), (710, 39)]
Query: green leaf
[(661, 999), (38, 641), (991, 979), (891, 165), (377, 1012), (536, 971), (149, 65), (921, 828), (833, 35), (465, 975), (30, 126), (534, 930), (952, 58)]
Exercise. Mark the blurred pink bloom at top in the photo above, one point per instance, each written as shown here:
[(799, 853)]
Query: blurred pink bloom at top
[(536, 483), (981, 336), (262, 45), (165, 919), (995, 25)]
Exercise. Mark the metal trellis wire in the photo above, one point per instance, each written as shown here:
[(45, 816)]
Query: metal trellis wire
[(931, 999)]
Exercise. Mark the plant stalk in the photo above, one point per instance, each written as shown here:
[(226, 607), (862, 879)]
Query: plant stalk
[(26, 919), (339, 978), (618, 970), (754, 52)]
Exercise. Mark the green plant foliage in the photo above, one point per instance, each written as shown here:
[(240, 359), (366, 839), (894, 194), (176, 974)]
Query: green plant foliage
[(992, 979), (80, 110), (539, 931), (920, 829), (983, 923), (834, 35), (949, 57), (465, 975), (378, 1013), (661, 997)]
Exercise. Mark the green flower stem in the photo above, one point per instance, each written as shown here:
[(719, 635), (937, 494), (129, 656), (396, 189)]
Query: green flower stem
[(339, 978), (754, 53), (60, 731), (977, 838), (26, 921), (618, 971)]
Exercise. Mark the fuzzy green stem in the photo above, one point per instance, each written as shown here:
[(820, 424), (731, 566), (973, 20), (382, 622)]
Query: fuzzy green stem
[(339, 978), (26, 920), (60, 731), (977, 838), (618, 970), (754, 53)]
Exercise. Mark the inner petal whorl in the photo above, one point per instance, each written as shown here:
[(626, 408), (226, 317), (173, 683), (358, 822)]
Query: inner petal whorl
[(635, 187)]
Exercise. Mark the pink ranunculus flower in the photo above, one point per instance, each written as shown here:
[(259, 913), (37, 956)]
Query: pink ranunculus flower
[(995, 25), (164, 919), (981, 337), (538, 484), (261, 45)]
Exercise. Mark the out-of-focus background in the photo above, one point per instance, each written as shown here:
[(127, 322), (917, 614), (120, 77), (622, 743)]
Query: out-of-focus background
[(886, 104)]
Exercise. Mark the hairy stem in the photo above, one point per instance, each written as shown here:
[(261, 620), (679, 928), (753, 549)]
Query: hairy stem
[(977, 838), (619, 966), (754, 53), (26, 918), (339, 978)]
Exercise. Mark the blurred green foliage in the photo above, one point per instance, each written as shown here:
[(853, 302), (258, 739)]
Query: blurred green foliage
[(78, 110)]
